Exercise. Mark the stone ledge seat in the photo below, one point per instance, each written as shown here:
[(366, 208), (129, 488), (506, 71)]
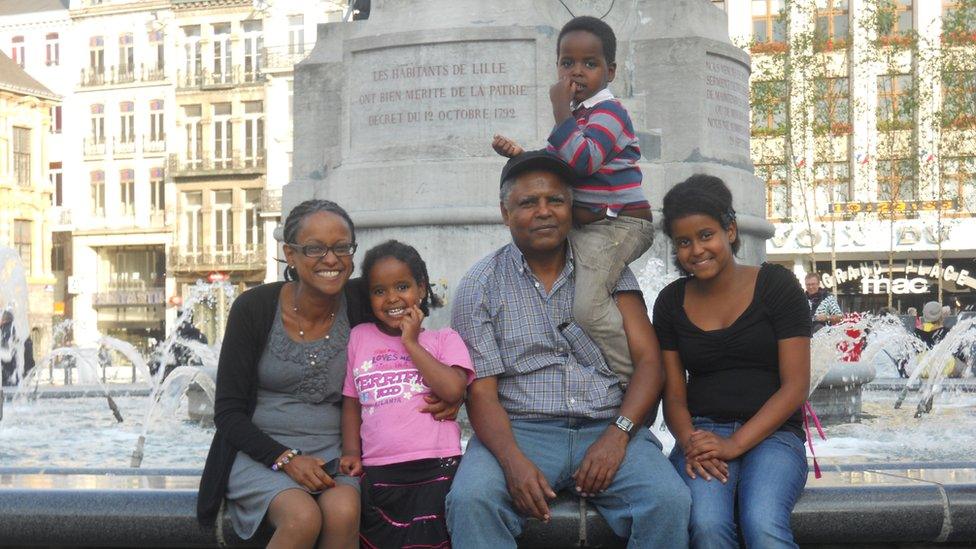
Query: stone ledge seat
[(856, 505)]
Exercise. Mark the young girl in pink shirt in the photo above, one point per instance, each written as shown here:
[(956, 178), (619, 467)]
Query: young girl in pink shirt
[(406, 458)]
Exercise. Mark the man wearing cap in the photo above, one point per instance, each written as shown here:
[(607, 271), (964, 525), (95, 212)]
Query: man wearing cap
[(932, 331), (547, 412)]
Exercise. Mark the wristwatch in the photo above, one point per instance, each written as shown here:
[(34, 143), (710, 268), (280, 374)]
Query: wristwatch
[(624, 424)]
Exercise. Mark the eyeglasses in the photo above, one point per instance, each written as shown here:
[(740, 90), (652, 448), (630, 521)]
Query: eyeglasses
[(321, 250)]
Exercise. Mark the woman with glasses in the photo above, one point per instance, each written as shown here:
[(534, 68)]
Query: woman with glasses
[(279, 393)]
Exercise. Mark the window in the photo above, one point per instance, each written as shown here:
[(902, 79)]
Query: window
[(57, 180), (97, 123), (55, 113), (17, 50), (52, 49), (777, 190), (958, 22), (126, 58), (157, 131), (127, 193), (768, 107), (833, 21), (895, 108), (833, 106), (22, 156), (223, 221), (959, 99), (253, 133), (98, 193), (253, 44), (157, 50), (768, 21), (194, 135), (96, 60), (157, 191), (57, 257), (22, 241), (296, 33), (95, 142), (896, 180), (223, 138), (222, 67), (253, 231), (959, 179), (127, 122), (194, 56), (192, 228), (896, 20), (832, 184)]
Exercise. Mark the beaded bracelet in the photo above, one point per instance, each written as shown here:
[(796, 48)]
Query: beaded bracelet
[(290, 455)]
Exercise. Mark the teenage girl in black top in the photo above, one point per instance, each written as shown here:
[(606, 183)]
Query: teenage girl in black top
[(740, 335)]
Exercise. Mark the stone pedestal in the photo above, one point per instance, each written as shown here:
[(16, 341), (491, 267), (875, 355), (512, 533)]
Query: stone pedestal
[(394, 115), (837, 399)]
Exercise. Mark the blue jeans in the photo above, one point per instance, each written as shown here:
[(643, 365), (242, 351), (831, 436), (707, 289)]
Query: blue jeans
[(646, 502), (764, 483)]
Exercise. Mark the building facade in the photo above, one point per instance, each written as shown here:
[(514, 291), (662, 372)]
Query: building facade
[(168, 154), (25, 191), (863, 116), (33, 35)]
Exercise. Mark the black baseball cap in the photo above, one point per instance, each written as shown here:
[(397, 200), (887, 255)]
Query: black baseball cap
[(538, 160)]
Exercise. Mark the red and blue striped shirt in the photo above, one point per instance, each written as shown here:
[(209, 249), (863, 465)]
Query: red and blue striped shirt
[(600, 144)]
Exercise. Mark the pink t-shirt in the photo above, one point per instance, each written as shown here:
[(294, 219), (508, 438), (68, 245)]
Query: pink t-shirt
[(390, 390)]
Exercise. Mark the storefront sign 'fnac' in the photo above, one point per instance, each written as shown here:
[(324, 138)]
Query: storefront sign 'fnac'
[(904, 277)]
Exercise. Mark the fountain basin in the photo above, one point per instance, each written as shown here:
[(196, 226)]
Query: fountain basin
[(837, 399), (855, 504)]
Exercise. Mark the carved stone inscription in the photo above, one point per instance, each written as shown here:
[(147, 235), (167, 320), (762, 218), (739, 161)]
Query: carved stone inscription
[(441, 91), (726, 106)]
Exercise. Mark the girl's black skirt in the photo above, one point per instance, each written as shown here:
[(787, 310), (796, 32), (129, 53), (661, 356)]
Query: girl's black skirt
[(403, 504)]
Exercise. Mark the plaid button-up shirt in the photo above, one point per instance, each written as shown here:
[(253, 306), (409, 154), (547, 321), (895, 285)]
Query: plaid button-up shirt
[(547, 366)]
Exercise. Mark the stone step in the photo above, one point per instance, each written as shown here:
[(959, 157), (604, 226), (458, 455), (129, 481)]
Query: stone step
[(908, 504)]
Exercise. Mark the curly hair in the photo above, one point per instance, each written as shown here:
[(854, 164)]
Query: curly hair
[(596, 27), (409, 255)]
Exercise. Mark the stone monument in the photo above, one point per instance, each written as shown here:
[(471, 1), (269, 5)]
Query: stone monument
[(394, 115)]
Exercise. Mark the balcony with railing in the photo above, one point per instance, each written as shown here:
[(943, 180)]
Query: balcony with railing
[(153, 146), (124, 74), (210, 258), (94, 147), (206, 79), (284, 58), (123, 147), (207, 164)]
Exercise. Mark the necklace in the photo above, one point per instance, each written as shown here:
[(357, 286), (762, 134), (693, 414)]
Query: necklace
[(310, 356)]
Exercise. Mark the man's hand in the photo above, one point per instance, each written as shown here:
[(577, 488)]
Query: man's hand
[(601, 462), (506, 147), (529, 488), (708, 445), (439, 409), (308, 472)]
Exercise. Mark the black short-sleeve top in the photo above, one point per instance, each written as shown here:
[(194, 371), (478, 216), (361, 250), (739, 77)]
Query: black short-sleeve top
[(733, 371)]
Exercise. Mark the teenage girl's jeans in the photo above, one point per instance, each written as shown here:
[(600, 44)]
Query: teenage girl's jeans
[(764, 484)]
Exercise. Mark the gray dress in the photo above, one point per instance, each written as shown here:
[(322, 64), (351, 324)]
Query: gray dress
[(299, 404)]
